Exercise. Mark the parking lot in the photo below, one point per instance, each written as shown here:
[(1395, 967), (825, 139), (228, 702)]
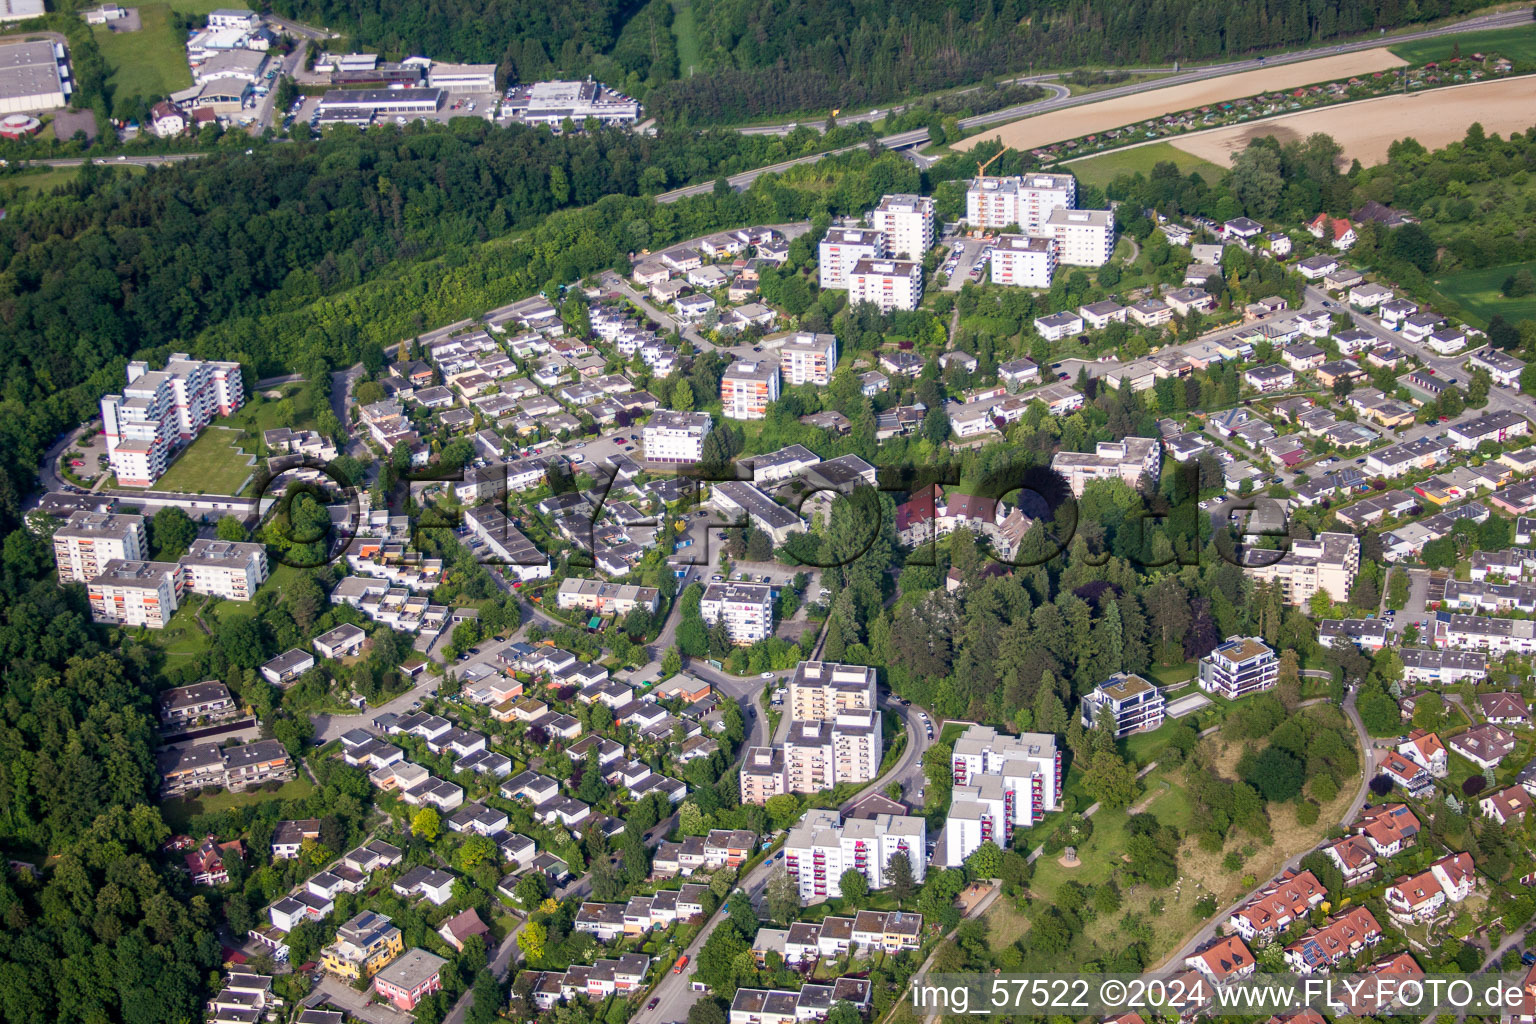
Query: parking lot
[(965, 262)]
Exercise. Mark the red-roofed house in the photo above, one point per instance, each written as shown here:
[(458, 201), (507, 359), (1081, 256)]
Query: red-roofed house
[(915, 517), (1336, 229), (1506, 805), (1223, 960), (1425, 750), (1412, 778), (206, 863), (460, 927), (1355, 857), (1288, 898), (1341, 937), (1390, 828)]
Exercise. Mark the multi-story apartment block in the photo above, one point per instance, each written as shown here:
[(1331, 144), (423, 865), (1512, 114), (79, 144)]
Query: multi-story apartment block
[(1026, 200), (1126, 703), (410, 978), (823, 846), (763, 775), (675, 438), (89, 540), (161, 410), (889, 284), (748, 388), (906, 224), (1128, 460), (1325, 563), (807, 358), (1024, 261), (1084, 238), (364, 946), (228, 569), (187, 768), (206, 701), (136, 593), (1000, 782), (821, 754), (841, 250), (1242, 665), (820, 690), (747, 609)]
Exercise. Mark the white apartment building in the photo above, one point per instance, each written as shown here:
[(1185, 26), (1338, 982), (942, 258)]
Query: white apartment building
[(906, 224), (820, 690), (89, 540), (675, 437), (1127, 460), (841, 250), (1024, 261), (823, 846), (161, 410), (821, 754), (806, 357), (889, 284), (1084, 238), (1000, 782), (1240, 666), (130, 593), (747, 609), (1328, 562), (226, 569), (763, 775), (1025, 200), (748, 388), (1125, 702)]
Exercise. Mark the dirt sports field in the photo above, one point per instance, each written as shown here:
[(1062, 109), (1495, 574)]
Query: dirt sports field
[(1058, 125), (1365, 129)]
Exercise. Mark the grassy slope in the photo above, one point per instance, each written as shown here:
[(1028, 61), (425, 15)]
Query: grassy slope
[(686, 31), (1477, 292), (151, 62), (1101, 170), (1514, 43)]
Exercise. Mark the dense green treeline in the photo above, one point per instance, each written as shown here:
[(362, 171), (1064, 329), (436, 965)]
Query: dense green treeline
[(783, 56)]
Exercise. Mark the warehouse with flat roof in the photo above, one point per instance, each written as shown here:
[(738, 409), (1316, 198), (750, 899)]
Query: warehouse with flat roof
[(33, 76), (382, 101)]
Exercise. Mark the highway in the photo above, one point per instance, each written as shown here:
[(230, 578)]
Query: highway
[(918, 137)]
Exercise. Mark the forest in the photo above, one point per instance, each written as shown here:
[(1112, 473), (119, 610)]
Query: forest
[(787, 56)]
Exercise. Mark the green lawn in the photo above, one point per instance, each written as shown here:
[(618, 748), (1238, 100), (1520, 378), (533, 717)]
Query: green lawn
[(53, 177), (685, 30), (1515, 43), (1477, 292), (178, 812), (261, 414), (210, 465), (1106, 167), (151, 62)]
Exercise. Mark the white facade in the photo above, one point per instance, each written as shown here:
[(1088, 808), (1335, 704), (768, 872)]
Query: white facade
[(1084, 238), (889, 284), (1023, 261), (748, 387), (136, 593), (224, 568), (89, 540), (823, 846), (746, 607), (1024, 200), (1000, 782), (841, 250), (675, 437), (808, 358), (906, 224), (163, 409)]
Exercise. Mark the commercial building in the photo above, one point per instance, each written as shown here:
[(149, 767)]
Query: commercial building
[(161, 410), (1326, 563), (1238, 667), (89, 540), (552, 103), (462, 77), (1028, 262), (841, 250), (820, 690), (746, 608), (1000, 782), (748, 387), (221, 568), (34, 75), (364, 946), (1128, 460), (380, 102), (1026, 200), (676, 438), (136, 593), (1126, 703), (906, 224), (806, 357), (1084, 238), (889, 284), (823, 846)]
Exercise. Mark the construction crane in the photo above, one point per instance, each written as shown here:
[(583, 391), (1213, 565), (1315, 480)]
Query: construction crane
[(981, 168)]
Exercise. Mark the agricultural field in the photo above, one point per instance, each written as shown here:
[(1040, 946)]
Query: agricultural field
[(212, 464), (151, 62), (1477, 292), (1518, 44), (1106, 167), (1366, 129), (1059, 125)]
